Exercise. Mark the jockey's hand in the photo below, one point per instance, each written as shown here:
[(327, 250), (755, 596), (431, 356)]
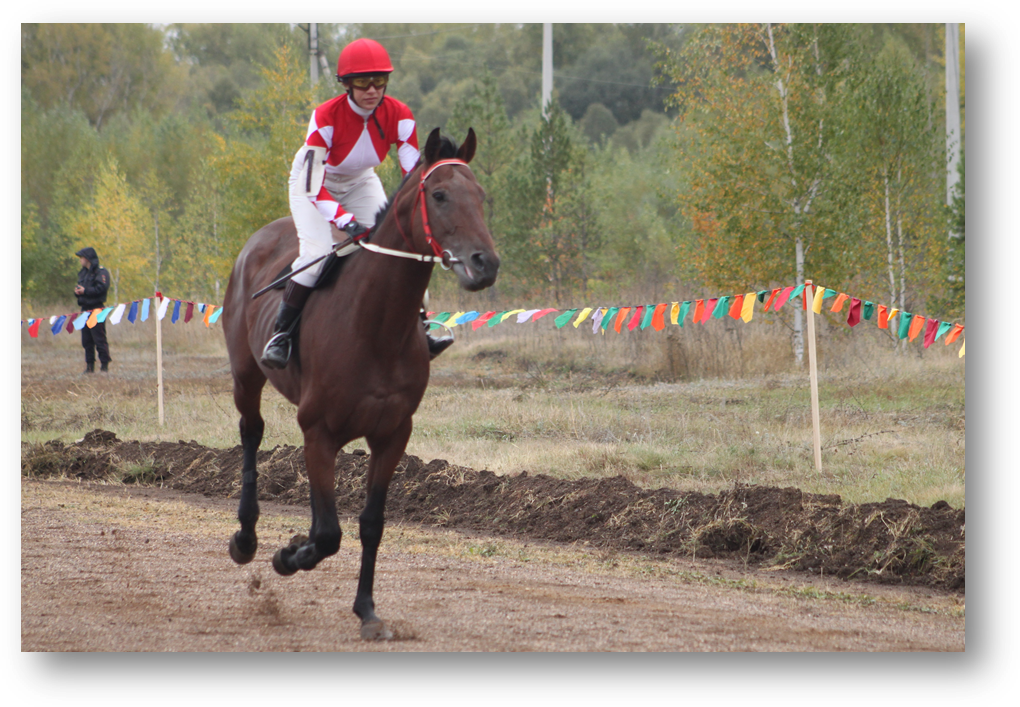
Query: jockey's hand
[(355, 230)]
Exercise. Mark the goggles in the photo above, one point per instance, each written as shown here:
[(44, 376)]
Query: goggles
[(363, 82)]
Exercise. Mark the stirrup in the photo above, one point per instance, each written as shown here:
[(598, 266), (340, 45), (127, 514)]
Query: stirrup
[(438, 345), (276, 354)]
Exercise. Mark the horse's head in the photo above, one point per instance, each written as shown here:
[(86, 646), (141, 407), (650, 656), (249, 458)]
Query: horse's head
[(453, 209)]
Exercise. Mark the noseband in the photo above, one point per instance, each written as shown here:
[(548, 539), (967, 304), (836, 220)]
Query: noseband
[(443, 257)]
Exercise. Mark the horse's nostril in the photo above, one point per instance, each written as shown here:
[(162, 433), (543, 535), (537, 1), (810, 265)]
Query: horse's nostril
[(481, 263)]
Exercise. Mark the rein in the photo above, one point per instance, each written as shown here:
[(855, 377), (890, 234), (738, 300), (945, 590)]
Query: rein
[(443, 257)]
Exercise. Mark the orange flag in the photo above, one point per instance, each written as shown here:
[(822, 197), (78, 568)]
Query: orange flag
[(738, 303), (883, 317), (93, 318), (916, 326), (837, 306), (658, 323), (699, 309), (619, 319), (772, 298), (954, 334)]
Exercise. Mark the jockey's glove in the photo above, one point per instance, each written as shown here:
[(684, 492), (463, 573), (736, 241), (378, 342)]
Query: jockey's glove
[(355, 230)]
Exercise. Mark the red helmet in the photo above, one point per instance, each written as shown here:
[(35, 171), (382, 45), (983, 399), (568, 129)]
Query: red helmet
[(363, 56)]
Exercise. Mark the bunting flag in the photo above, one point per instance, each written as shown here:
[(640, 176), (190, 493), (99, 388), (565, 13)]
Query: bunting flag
[(747, 311), (738, 304), (658, 321), (837, 306), (904, 329), (962, 347), (929, 332), (633, 317), (699, 310), (782, 298), (915, 326), (816, 303), (582, 316), (647, 319)]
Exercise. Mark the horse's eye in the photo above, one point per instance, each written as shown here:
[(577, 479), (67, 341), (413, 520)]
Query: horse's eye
[(439, 195)]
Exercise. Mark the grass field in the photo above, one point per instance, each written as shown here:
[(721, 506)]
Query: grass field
[(700, 408)]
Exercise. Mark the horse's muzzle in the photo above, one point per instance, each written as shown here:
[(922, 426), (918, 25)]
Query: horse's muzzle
[(477, 271)]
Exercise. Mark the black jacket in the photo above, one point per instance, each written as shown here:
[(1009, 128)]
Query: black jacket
[(94, 279)]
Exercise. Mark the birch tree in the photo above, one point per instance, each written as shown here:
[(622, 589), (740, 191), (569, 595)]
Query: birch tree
[(758, 112)]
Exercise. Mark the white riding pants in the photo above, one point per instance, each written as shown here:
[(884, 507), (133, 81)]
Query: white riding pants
[(360, 194)]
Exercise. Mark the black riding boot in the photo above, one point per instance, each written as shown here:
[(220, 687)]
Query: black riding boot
[(277, 351), (436, 346), (90, 367)]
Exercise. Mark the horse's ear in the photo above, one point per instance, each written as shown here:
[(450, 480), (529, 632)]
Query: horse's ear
[(432, 145), (467, 150)]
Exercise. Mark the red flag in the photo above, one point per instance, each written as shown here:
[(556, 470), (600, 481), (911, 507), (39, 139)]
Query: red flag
[(539, 315), (33, 329), (783, 296), (188, 312), (636, 319), (709, 308), (853, 317), (482, 319), (70, 322), (930, 332)]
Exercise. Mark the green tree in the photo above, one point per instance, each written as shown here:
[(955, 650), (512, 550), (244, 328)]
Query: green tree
[(760, 104), (117, 225), (100, 68), (267, 129)]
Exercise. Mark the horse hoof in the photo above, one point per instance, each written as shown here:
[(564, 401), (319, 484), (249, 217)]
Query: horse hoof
[(279, 566), (239, 556), (375, 631)]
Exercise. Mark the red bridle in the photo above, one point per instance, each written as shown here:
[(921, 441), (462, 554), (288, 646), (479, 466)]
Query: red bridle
[(445, 256)]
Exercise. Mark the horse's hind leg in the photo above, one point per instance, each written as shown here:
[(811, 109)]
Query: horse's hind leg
[(248, 398), (386, 455)]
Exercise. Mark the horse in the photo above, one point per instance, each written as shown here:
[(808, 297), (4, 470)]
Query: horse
[(360, 364)]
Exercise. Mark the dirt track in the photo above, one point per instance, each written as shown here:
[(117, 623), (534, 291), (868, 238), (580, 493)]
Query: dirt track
[(118, 567)]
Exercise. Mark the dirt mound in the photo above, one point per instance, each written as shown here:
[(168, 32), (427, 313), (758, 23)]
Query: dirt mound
[(889, 542)]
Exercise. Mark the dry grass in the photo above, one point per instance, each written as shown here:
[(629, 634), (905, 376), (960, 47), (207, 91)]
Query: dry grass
[(697, 409)]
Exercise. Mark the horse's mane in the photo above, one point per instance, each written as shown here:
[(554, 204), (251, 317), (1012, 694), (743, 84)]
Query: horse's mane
[(447, 150)]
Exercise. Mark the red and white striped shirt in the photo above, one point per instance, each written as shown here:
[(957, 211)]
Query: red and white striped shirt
[(356, 140)]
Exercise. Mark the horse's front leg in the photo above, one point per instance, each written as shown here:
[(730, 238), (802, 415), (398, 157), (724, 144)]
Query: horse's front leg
[(304, 553), (244, 542), (386, 453)]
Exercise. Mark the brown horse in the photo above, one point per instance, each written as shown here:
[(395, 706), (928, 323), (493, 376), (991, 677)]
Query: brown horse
[(361, 362)]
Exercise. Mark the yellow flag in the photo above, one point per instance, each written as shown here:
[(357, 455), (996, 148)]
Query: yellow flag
[(816, 304), (747, 310), (892, 313), (582, 316), (452, 321), (961, 349), (674, 312), (511, 313)]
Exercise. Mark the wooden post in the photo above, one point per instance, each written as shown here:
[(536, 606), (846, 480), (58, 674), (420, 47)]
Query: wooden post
[(159, 357), (813, 371)]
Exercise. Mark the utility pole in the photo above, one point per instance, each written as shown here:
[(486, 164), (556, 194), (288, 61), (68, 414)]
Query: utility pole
[(313, 52), (547, 67), (953, 136)]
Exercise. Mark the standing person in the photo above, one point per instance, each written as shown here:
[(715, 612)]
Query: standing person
[(93, 282), (333, 180)]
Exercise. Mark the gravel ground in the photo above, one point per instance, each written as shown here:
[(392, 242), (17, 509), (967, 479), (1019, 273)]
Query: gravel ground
[(115, 568)]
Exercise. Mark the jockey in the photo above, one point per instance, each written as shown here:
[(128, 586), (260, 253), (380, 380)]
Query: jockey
[(333, 180)]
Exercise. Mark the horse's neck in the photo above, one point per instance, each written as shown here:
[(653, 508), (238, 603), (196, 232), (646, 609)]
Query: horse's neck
[(394, 285)]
